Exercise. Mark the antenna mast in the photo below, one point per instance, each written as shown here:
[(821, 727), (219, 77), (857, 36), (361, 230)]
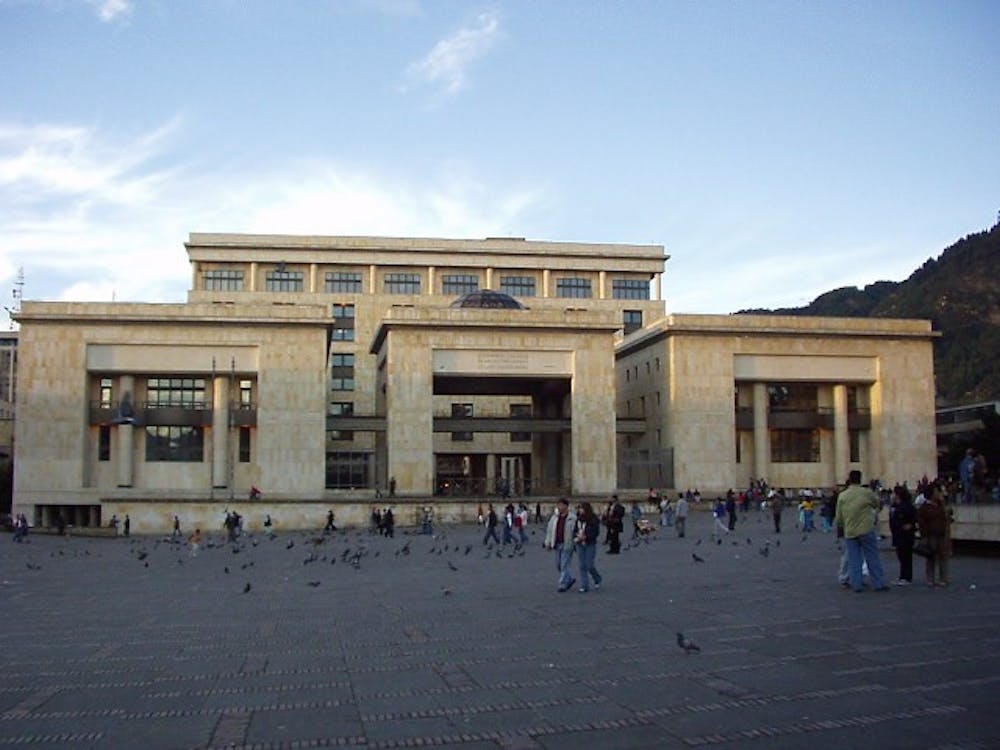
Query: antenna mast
[(16, 294)]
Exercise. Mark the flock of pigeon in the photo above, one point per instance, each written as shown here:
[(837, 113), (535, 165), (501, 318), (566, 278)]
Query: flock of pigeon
[(353, 548)]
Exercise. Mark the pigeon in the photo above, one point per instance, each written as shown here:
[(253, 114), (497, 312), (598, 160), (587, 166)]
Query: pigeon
[(686, 644), (291, 543), (140, 556), (765, 551), (696, 558), (719, 541), (226, 569), (697, 543), (246, 588), (32, 566), (468, 548), (446, 591), (451, 565), (314, 584)]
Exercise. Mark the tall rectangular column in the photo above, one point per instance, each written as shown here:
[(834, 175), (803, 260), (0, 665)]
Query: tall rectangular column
[(841, 438), (220, 432), (761, 452), (409, 417), (126, 436)]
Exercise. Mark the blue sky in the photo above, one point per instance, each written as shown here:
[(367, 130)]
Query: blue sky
[(777, 149)]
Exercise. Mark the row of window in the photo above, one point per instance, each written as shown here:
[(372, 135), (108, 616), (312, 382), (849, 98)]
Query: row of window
[(344, 323), (284, 280), (181, 444), (346, 409), (516, 411), (800, 446), (187, 444), (183, 393), (632, 373)]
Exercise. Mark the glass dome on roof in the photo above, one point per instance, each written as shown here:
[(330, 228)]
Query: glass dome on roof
[(487, 298)]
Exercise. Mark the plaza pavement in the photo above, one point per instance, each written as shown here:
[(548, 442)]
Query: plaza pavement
[(353, 643)]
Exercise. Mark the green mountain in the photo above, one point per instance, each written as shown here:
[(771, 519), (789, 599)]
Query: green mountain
[(959, 292)]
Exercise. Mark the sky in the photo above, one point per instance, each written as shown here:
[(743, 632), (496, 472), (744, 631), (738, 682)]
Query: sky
[(776, 149)]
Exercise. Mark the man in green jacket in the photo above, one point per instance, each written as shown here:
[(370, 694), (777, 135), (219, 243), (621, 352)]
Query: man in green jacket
[(856, 509)]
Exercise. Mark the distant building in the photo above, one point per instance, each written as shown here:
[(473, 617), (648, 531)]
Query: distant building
[(958, 427), (8, 391), (319, 369)]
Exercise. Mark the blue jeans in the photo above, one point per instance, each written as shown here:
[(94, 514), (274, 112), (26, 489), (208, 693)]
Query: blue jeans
[(563, 557), (864, 548), (588, 554), (491, 531)]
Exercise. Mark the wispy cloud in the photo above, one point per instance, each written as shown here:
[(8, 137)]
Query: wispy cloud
[(92, 216), (446, 66), (112, 10)]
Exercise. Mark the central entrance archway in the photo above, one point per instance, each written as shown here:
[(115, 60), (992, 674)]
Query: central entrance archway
[(448, 384)]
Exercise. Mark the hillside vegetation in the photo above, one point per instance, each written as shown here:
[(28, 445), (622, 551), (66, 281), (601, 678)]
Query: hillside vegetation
[(959, 292)]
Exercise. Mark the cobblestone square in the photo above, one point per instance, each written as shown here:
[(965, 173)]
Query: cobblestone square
[(355, 640)]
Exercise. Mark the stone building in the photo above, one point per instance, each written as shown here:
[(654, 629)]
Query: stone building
[(331, 371)]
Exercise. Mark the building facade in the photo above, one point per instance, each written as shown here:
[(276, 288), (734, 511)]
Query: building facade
[(336, 370)]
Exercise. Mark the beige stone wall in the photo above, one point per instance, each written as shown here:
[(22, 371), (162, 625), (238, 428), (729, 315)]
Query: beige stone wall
[(409, 412), (710, 355), (594, 468), (57, 462)]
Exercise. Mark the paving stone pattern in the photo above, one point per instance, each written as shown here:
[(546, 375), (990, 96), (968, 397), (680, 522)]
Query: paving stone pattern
[(357, 641)]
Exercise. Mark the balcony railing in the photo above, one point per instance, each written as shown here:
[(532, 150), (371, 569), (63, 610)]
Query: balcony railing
[(190, 414)]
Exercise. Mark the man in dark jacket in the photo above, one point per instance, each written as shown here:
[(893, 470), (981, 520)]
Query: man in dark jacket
[(903, 525), (616, 524)]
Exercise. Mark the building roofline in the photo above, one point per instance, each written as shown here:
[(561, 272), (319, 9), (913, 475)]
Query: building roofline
[(774, 326), (496, 245)]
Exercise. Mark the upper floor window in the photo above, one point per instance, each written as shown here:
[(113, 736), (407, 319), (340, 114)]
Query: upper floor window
[(629, 289), (223, 280), (342, 372), (185, 393), (632, 321), (343, 281), (573, 286), (461, 410), (459, 283), (246, 394), (107, 393), (341, 409), (518, 286), (520, 411), (283, 280), (343, 323), (792, 397), (402, 283)]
